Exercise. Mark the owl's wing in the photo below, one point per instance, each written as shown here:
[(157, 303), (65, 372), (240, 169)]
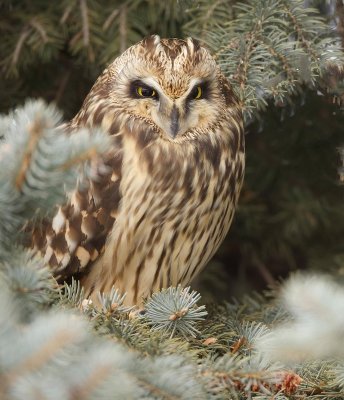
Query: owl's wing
[(76, 236)]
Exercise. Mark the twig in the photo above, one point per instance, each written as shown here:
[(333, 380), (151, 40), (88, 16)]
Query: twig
[(35, 131), (85, 24), (25, 33), (62, 86), (39, 28), (110, 19), (66, 14), (123, 28)]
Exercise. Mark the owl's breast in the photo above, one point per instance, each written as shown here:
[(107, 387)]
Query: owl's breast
[(174, 213)]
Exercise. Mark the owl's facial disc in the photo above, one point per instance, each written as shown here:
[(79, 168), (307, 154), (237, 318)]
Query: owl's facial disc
[(174, 116)]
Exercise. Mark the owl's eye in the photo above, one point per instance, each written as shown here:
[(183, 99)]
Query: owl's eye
[(196, 93), (139, 90), (145, 91)]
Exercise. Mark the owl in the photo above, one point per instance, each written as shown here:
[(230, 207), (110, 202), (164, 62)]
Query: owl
[(165, 197)]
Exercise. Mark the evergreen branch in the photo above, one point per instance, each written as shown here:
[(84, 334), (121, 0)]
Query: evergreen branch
[(92, 369), (246, 376), (112, 303), (313, 303), (174, 310), (39, 163), (42, 355), (339, 371), (30, 282), (207, 16), (94, 380), (169, 377), (72, 295), (285, 60), (250, 333), (155, 391), (61, 339), (82, 21), (257, 54), (36, 35), (296, 15)]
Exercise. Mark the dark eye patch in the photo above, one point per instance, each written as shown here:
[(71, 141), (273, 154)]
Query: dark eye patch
[(140, 90), (199, 91)]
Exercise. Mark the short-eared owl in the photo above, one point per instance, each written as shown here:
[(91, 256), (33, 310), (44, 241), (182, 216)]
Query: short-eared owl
[(165, 203)]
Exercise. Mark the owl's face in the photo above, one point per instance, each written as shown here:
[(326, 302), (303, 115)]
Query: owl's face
[(172, 84)]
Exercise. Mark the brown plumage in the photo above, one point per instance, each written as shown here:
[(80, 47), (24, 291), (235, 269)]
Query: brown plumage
[(158, 212)]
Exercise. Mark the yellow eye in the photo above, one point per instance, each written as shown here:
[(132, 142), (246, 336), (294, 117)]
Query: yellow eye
[(198, 92), (144, 91)]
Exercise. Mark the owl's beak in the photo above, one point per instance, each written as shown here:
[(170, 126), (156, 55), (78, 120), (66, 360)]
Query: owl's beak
[(174, 121), (168, 117)]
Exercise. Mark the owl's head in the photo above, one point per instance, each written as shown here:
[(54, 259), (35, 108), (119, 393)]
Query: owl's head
[(174, 85)]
